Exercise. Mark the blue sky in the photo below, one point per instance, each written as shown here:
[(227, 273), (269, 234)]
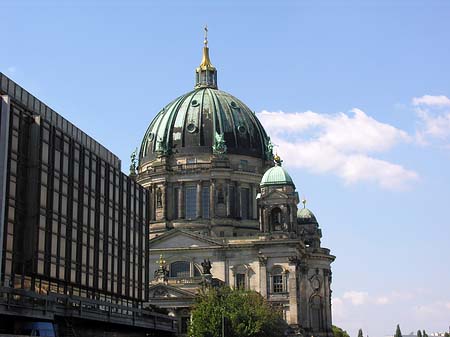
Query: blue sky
[(355, 93)]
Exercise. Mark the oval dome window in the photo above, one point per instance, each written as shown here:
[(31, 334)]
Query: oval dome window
[(191, 128)]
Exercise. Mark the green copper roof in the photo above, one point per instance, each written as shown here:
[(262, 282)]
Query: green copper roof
[(304, 215), (194, 122), (276, 175)]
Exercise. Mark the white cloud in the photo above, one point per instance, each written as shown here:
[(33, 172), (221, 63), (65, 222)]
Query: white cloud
[(430, 100), (433, 124), (339, 144), (356, 297), (382, 300)]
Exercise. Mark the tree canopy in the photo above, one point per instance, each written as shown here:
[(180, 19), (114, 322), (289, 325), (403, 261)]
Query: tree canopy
[(243, 314), (338, 332)]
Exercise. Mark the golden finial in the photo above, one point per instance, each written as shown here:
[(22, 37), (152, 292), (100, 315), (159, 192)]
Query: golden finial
[(161, 261), (206, 36), (206, 62), (277, 159)]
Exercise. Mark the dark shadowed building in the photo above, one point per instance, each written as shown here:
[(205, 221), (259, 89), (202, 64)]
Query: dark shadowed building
[(71, 223)]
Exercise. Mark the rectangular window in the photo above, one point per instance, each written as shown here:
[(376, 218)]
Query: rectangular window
[(175, 202), (205, 202), (190, 202), (231, 190), (240, 281), (277, 283), (245, 203)]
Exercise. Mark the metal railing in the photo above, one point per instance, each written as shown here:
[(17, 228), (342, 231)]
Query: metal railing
[(30, 304)]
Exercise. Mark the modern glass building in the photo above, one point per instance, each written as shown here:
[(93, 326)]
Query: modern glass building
[(70, 221)]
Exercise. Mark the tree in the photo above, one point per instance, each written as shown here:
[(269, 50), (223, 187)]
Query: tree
[(419, 333), (424, 334), (360, 333), (338, 332), (239, 313), (398, 333)]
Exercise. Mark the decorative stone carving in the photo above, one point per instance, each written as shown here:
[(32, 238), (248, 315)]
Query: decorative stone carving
[(219, 147), (262, 259), (206, 265)]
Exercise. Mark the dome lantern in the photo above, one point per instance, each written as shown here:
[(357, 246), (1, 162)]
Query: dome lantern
[(206, 74)]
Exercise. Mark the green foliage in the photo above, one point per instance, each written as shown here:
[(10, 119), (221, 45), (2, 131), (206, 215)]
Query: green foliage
[(360, 333), (398, 333), (446, 334), (419, 333), (338, 332), (245, 314)]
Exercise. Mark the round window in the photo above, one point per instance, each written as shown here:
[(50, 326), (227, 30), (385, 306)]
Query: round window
[(241, 129), (191, 127), (151, 136), (195, 103)]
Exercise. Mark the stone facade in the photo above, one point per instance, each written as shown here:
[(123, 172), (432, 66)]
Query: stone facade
[(223, 211)]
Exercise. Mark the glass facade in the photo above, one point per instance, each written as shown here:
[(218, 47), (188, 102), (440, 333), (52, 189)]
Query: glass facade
[(74, 223)]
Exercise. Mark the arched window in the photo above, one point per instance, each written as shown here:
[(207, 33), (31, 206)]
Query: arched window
[(180, 269), (276, 219), (277, 280), (240, 281)]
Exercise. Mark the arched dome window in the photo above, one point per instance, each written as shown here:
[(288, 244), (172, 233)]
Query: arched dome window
[(183, 269)]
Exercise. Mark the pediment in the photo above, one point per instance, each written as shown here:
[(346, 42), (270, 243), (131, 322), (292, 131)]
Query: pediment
[(276, 195), (182, 239), (164, 291)]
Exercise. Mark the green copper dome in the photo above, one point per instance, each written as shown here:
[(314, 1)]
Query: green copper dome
[(305, 216), (202, 121), (205, 120), (276, 175)]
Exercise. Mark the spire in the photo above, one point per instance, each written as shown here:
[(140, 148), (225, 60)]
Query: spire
[(304, 202), (206, 74)]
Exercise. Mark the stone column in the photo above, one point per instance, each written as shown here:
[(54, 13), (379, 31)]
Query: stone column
[(229, 196), (304, 296), (164, 201), (198, 212), (239, 200), (263, 289), (212, 198), (292, 289), (254, 203), (327, 299), (181, 201), (153, 188), (261, 220)]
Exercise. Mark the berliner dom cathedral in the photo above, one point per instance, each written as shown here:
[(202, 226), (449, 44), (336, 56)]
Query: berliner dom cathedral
[(224, 210)]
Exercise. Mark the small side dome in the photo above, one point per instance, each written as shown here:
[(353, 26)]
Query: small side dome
[(305, 216), (276, 175)]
